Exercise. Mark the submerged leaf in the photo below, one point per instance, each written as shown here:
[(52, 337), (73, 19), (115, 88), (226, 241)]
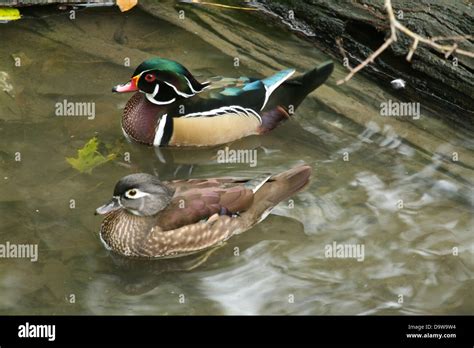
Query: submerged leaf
[(89, 157)]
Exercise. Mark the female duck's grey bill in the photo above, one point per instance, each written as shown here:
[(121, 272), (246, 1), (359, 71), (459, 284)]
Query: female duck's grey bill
[(112, 205)]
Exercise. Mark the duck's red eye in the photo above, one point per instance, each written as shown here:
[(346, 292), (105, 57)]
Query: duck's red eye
[(150, 77)]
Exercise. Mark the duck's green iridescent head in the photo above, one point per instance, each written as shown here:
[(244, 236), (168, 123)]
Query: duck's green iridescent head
[(163, 81)]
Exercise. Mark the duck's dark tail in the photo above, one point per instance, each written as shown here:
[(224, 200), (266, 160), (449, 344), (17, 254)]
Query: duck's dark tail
[(275, 189), (299, 87), (287, 97), (282, 186), (315, 78)]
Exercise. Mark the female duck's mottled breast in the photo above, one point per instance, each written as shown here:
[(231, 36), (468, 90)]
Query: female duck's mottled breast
[(125, 233)]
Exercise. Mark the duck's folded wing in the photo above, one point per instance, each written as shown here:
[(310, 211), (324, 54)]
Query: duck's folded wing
[(199, 202), (239, 97)]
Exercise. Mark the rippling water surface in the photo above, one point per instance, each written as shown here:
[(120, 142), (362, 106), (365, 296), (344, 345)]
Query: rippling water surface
[(278, 267)]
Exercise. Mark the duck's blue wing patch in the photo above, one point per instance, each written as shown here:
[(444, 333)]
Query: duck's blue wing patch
[(236, 91), (253, 86), (232, 91), (251, 92), (271, 83), (278, 78)]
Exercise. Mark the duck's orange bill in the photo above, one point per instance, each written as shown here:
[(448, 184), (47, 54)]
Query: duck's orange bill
[(130, 86)]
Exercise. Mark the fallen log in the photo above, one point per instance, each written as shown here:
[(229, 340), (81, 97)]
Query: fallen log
[(362, 26)]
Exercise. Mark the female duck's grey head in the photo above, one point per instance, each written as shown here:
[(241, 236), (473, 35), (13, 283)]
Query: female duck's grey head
[(140, 194)]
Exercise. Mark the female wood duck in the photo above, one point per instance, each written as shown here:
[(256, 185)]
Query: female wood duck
[(148, 218), (171, 108)]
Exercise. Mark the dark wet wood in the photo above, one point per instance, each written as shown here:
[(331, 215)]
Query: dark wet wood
[(362, 25)]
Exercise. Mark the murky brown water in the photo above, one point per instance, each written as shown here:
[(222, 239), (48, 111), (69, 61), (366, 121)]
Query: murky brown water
[(281, 266)]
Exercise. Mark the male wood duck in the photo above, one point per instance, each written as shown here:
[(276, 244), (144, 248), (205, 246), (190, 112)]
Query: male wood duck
[(147, 218), (171, 108)]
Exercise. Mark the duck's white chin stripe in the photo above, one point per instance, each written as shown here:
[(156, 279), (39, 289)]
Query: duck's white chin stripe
[(151, 97), (160, 130), (156, 90), (152, 100)]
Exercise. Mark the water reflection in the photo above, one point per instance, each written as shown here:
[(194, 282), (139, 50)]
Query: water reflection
[(422, 251)]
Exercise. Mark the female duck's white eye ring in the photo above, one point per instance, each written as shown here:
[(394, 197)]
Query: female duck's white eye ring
[(135, 193)]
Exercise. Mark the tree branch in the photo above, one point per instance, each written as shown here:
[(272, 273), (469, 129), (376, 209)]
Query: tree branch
[(396, 26)]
